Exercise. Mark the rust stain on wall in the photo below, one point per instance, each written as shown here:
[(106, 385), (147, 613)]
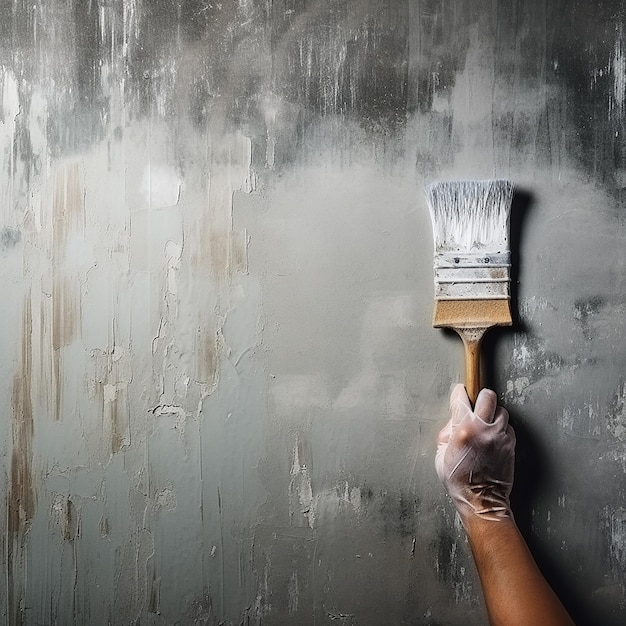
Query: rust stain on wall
[(206, 356), (21, 494), (68, 221), (21, 505), (220, 248), (68, 218)]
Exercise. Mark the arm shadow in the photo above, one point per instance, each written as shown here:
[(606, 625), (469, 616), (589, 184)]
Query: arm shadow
[(533, 470)]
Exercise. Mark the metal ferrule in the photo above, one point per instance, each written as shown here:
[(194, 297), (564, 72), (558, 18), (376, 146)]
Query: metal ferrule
[(472, 276)]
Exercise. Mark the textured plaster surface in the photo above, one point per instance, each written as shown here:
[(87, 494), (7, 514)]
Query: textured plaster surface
[(220, 384)]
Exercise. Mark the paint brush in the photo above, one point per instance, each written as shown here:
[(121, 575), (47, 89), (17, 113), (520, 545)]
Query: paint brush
[(472, 262)]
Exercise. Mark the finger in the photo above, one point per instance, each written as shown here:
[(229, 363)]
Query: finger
[(486, 404), (501, 418), (444, 434), (460, 404), (439, 460), (510, 433)]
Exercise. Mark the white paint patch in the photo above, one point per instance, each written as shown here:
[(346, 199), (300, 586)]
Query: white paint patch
[(340, 498), (582, 421), (10, 97), (523, 357), (528, 307), (160, 186), (516, 389), (111, 391), (10, 104), (79, 255)]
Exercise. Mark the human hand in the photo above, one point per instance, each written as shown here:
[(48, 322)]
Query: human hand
[(476, 455)]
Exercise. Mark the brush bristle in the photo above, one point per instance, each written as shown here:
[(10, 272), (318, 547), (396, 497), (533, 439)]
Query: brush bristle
[(470, 215)]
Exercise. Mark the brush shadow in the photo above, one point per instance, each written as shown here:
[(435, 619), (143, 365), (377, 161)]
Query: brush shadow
[(521, 206)]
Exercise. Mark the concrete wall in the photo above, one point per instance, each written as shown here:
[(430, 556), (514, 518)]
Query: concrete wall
[(220, 386)]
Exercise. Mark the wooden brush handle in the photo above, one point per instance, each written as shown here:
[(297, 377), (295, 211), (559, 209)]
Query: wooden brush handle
[(472, 338)]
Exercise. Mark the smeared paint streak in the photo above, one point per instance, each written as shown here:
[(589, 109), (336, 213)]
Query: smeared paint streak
[(618, 66), (9, 110), (293, 592), (301, 509), (617, 533), (616, 426), (614, 521), (263, 603), (616, 417)]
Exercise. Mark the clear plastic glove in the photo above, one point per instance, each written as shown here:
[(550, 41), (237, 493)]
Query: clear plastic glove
[(476, 455)]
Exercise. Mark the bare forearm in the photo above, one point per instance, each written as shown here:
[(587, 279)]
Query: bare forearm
[(516, 593)]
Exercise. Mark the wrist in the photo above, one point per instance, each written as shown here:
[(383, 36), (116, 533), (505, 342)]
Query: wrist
[(478, 526), (481, 504)]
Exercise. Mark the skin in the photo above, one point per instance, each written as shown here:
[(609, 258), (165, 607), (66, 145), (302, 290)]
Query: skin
[(515, 591)]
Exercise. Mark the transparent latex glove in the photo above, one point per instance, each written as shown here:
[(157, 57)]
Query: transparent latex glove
[(476, 454)]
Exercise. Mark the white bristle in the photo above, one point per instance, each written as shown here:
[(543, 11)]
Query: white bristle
[(470, 215)]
